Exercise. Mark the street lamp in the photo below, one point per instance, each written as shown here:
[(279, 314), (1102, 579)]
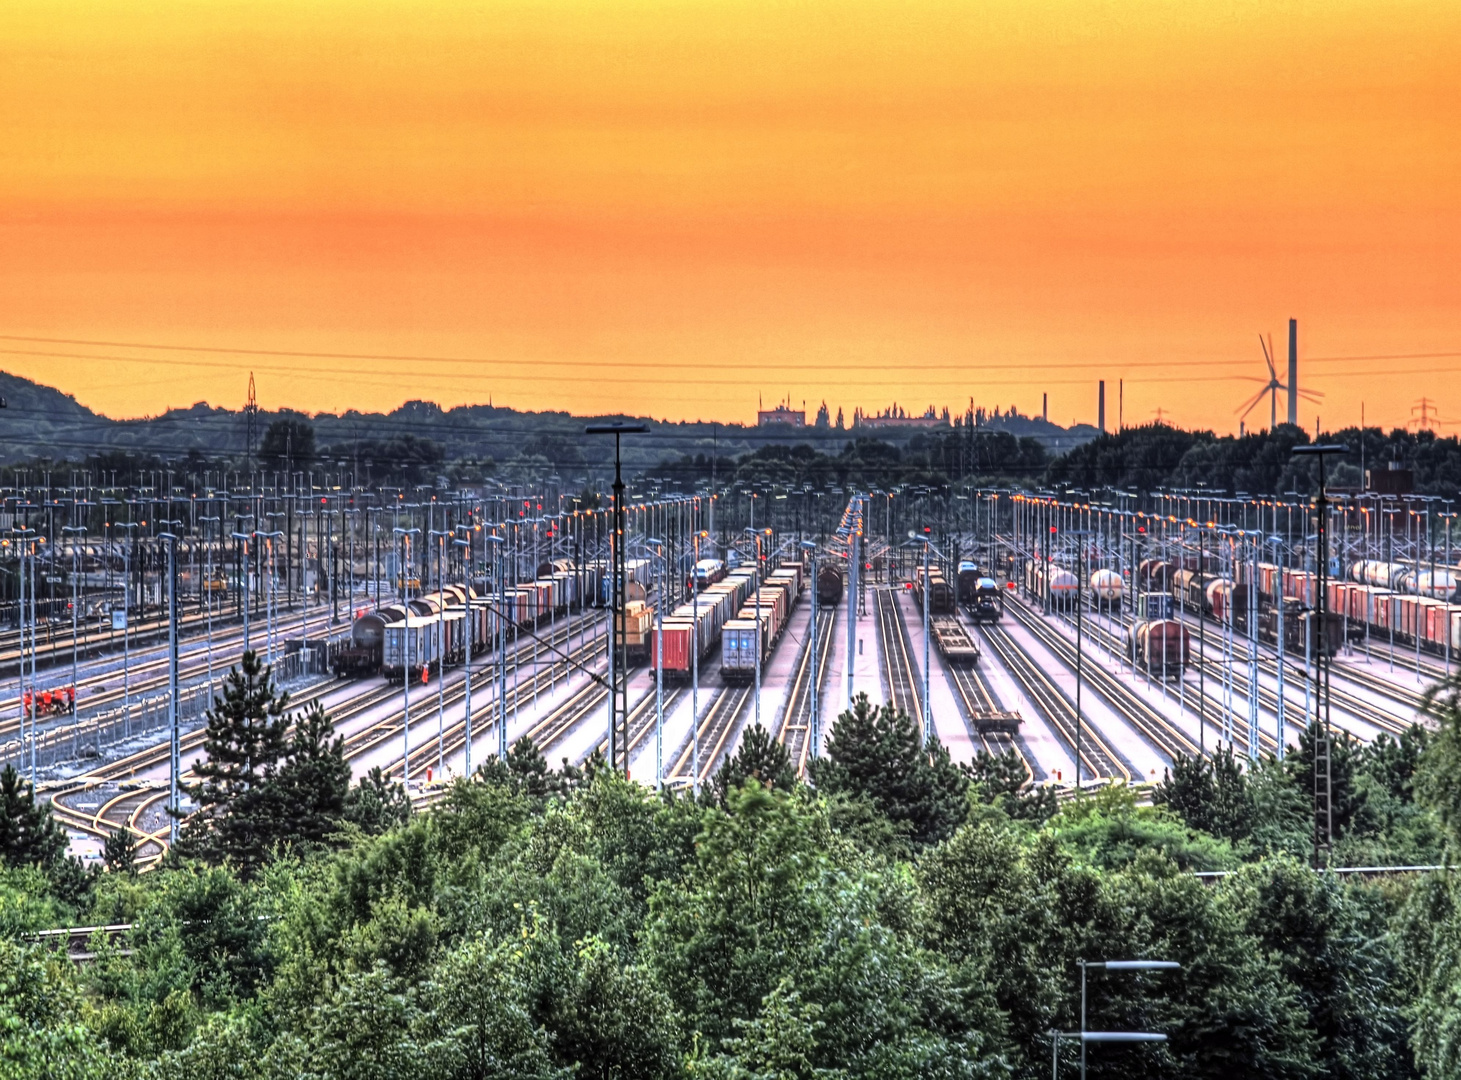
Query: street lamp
[(1087, 1037), (618, 684)]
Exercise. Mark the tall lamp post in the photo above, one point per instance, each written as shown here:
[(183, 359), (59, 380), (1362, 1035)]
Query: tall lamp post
[(466, 544), (405, 535), (618, 684), (173, 754), (1323, 807), (814, 726), (499, 575)]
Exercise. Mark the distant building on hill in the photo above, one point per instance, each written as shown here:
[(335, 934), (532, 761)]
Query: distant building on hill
[(781, 415)]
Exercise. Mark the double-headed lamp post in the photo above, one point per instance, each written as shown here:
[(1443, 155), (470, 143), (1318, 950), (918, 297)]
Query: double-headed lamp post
[(465, 542), (405, 536), (1087, 1037), (499, 578), (814, 727)]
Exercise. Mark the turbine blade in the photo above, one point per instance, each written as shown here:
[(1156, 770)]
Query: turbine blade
[(1267, 359), (1249, 406)]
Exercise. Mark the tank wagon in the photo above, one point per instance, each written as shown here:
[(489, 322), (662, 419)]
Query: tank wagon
[(1107, 589), (830, 585), (1154, 575), (1054, 581)]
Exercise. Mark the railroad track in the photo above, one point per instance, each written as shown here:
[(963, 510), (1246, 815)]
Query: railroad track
[(899, 672), (1194, 693), (1098, 759), (544, 733), (102, 824), (1154, 725), (975, 695), (796, 717), (1357, 707), (712, 736)]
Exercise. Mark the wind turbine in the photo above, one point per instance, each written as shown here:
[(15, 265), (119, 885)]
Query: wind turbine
[(1271, 388)]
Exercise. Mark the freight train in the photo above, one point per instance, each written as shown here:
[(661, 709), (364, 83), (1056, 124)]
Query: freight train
[(429, 632), (773, 603)]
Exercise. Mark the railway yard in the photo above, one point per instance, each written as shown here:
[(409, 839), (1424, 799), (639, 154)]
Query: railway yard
[(1093, 663)]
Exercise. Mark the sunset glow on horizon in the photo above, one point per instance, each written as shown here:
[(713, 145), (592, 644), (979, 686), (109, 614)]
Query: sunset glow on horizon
[(674, 209)]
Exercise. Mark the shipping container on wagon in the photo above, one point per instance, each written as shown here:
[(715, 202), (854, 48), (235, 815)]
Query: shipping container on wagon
[(635, 625), (738, 642), (409, 644)]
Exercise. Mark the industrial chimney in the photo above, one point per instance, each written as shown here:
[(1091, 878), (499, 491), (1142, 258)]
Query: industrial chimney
[(1293, 371), (1101, 407)]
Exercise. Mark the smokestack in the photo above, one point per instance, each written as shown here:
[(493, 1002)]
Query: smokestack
[(1293, 371), (1101, 407), (1044, 406)]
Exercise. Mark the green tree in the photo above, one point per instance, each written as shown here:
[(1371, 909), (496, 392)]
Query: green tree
[(1209, 795), (29, 835), (41, 1033), (376, 803), (1438, 780), (309, 790), (759, 756), (876, 754), (1329, 947), (119, 851), (1346, 800), (1002, 780), (288, 444), (242, 745)]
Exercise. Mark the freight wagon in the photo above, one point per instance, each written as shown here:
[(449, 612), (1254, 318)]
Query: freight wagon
[(940, 594), (966, 581), (1162, 647), (830, 585), (953, 641), (1107, 589), (988, 601)]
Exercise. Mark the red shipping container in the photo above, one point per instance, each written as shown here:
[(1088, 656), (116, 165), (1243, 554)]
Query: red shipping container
[(677, 635)]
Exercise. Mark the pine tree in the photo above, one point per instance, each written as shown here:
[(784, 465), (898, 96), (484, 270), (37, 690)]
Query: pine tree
[(875, 754), (29, 835), (377, 804), (119, 852), (309, 790), (243, 745), (759, 756)]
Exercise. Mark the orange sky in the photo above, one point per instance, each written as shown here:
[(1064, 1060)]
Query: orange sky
[(671, 207)]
